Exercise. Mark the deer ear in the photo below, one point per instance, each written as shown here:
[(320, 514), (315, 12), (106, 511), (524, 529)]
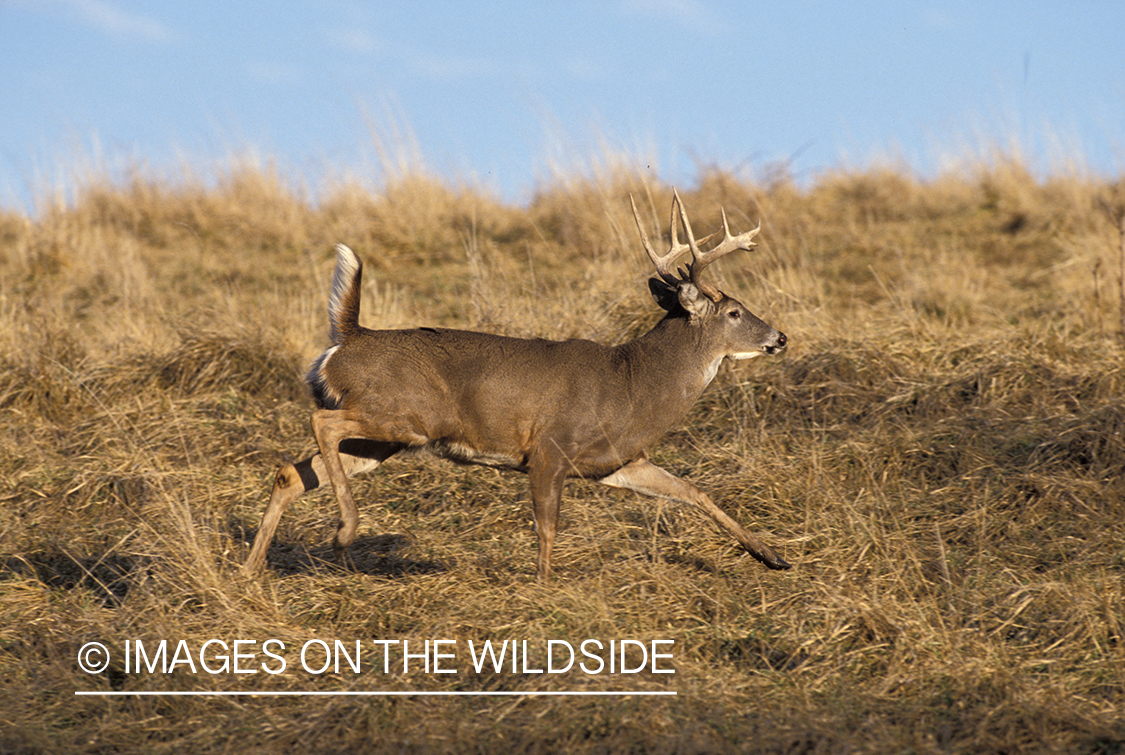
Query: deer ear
[(692, 299), (685, 295), (664, 294)]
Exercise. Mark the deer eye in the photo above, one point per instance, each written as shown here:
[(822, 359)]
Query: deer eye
[(735, 314)]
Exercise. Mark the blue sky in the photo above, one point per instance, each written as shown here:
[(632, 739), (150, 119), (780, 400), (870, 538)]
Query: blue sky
[(497, 93)]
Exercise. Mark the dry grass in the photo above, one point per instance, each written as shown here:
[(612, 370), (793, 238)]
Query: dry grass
[(940, 453)]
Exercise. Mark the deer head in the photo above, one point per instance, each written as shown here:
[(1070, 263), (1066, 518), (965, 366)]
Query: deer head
[(720, 316)]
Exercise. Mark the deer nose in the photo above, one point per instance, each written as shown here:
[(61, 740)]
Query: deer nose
[(777, 345)]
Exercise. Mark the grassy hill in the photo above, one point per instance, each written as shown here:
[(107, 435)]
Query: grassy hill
[(940, 453)]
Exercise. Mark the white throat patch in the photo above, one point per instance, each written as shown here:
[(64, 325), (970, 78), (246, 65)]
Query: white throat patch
[(712, 371), (713, 368)]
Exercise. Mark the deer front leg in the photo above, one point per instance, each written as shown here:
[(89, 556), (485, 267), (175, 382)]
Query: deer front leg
[(645, 477), (546, 494)]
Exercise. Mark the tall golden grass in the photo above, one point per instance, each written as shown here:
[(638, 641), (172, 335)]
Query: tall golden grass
[(940, 453)]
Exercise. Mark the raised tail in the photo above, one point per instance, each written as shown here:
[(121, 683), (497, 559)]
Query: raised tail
[(343, 301)]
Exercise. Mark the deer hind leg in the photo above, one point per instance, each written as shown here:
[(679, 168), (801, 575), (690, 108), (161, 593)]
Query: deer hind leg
[(645, 477), (293, 480), (338, 429)]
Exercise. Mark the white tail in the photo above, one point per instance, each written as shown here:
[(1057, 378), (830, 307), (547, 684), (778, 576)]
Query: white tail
[(551, 409)]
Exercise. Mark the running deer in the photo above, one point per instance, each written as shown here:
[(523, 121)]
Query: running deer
[(551, 409)]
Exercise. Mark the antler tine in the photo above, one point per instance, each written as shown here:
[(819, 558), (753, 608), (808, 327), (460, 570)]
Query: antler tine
[(693, 244), (663, 263), (743, 241), (730, 243), (699, 260)]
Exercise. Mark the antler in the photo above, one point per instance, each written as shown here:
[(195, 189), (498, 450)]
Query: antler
[(700, 259), (664, 262)]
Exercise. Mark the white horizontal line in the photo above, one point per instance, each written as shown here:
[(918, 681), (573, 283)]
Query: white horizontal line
[(375, 693)]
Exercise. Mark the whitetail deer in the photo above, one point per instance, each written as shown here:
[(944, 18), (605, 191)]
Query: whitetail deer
[(551, 409)]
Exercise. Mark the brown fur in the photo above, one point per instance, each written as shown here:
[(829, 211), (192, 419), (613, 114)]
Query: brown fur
[(550, 409)]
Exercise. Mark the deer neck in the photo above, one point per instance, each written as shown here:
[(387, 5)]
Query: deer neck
[(672, 364)]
